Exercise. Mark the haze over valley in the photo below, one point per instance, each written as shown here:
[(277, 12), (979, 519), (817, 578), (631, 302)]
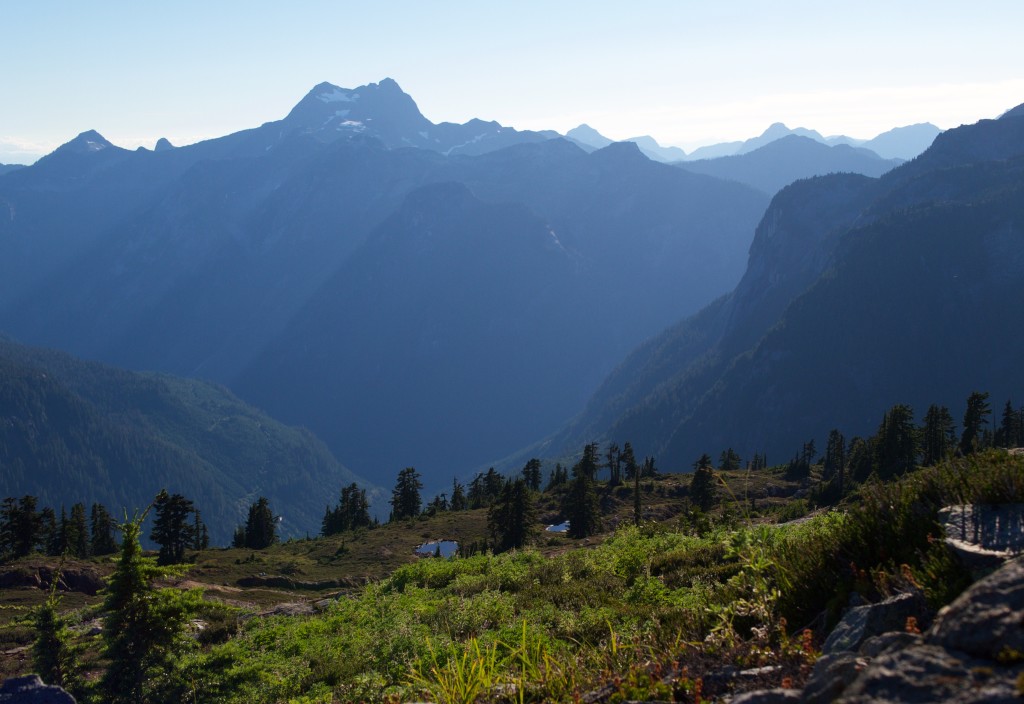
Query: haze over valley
[(537, 353), (437, 296)]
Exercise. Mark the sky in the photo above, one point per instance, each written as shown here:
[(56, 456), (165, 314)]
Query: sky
[(687, 73)]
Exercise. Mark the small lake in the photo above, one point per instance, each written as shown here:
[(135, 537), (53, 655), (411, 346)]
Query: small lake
[(562, 527), (447, 547)]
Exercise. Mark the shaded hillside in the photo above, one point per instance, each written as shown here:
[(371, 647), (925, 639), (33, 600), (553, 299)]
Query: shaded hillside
[(74, 431), (859, 294), (784, 160), (462, 329)]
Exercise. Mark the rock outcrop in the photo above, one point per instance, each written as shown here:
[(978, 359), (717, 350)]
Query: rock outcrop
[(31, 690), (982, 536), (973, 652)]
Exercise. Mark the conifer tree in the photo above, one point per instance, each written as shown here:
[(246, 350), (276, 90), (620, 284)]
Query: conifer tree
[(758, 462), (637, 501), (589, 462), (580, 504), (260, 527), (896, 446), (702, 484), (20, 526), (628, 460), (532, 474), (405, 497), (512, 518), (729, 460), (77, 540), (102, 531), (800, 466), (558, 477), (174, 527), (352, 512), (1009, 433), (54, 656), (835, 455), (49, 535), (938, 436), (439, 504), (834, 465), (144, 627), (493, 482), (614, 464), (458, 502), (200, 535), (861, 461), (975, 418), (647, 469)]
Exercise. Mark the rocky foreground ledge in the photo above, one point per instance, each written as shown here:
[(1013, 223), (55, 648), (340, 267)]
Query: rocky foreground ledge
[(973, 652), (31, 690)]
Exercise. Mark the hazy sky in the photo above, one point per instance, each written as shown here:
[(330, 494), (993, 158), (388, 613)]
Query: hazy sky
[(687, 73)]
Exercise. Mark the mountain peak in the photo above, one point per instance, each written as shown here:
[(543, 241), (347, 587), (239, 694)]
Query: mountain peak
[(585, 134), (163, 144), (382, 110), (776, 130), (625, 152), (1013, 112), (87, 142), (389, 84)]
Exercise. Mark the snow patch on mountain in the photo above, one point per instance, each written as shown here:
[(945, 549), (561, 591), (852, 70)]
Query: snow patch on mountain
[(337, 95)]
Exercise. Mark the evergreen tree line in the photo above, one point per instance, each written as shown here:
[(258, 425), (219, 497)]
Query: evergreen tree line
[(511, 502), (25, 528), (353, 511), (900, 444), (177, 527)]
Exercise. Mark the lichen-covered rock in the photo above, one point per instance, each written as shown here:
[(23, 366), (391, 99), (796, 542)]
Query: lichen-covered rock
[(972, 653), (31, 690), (895, 640), (927, 673), (832, 674), (768, 696), (863, 622), (987, 618)]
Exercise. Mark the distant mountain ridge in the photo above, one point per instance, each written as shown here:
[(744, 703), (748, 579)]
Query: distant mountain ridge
[(781, 161), (898, 143), (74, 431)]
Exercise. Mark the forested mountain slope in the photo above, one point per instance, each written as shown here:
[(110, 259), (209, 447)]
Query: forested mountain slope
[(74, 431)]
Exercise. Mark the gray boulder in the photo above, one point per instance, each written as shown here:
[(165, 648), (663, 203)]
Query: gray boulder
[(31, 690), (972, 653), (863, 622), (987, 620), (832, 674), (768, 696), (928, 673)]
